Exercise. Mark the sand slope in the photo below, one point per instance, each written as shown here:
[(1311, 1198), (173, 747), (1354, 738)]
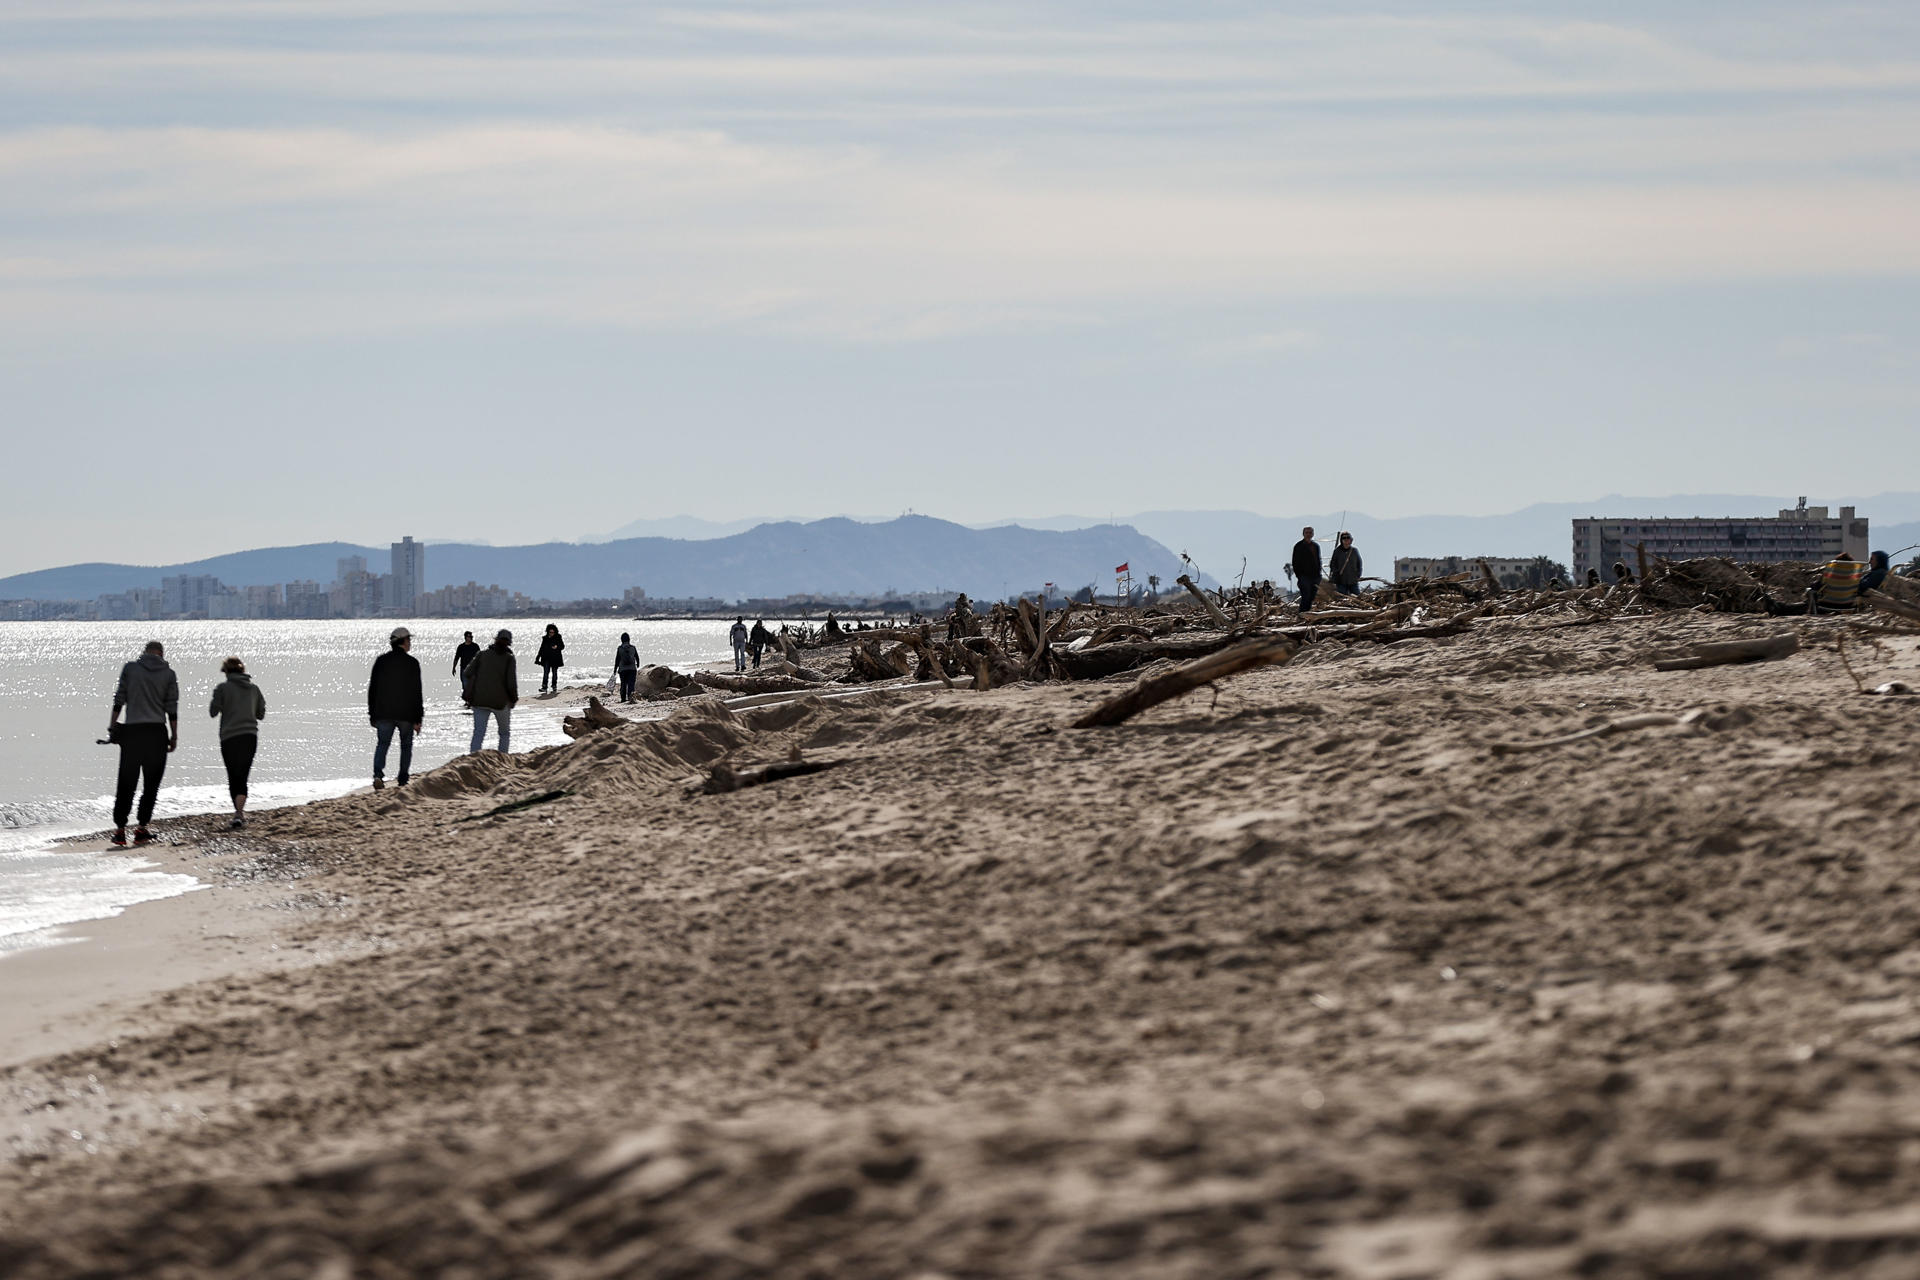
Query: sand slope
[(1298, 980)]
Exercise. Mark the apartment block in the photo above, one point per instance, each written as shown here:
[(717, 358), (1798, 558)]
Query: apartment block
[(1797, 533)]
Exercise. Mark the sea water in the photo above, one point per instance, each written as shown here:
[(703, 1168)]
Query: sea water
[(56, 692)]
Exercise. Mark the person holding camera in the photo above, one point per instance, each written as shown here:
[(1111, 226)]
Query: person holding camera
[(149, 694)]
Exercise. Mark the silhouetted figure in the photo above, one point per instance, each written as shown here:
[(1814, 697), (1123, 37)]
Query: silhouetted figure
[(626, 665), (396, 703), (149, 693), (239, 705), (493, 687), (1344, 567), (1306, 568), (550, 658)]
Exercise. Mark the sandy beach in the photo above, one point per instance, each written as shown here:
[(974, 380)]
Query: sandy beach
[(1293, 977)]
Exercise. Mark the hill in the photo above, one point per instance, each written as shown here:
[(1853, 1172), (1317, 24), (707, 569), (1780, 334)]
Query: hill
[(839, 556)]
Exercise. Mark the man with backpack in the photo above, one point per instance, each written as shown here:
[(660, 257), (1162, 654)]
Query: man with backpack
[(493, 687)]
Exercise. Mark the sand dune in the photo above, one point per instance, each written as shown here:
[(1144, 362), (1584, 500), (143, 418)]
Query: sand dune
[(1298, 979)]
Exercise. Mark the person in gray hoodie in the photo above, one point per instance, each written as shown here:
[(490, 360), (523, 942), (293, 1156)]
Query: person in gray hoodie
[(240, 706), (149, 694)]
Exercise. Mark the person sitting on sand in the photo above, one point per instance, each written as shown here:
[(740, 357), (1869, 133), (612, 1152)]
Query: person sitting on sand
[(1839, 588), (1344, 567), (396, 703), (1622, 576), (493, 687), (150, 695), (240, 706), (626, 664), (1593, 577), (550, 658), (1877, 565), (738, 635)]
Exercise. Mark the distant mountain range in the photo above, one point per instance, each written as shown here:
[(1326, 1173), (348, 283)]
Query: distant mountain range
[(1218, 540), (837, 556)]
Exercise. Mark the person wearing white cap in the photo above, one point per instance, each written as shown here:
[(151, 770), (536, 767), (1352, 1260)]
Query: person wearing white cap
[(396, 702)]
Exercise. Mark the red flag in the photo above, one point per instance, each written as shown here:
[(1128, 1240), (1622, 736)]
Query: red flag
[(1122, 568)]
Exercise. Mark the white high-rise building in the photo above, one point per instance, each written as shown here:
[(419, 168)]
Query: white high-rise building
[(409, 575)]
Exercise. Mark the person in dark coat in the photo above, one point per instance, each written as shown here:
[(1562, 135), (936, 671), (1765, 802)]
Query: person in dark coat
[(493, 687), (1344, 567), (550, 658), (626, 664), (758, 640), (149, 694), (1306, 568), (396, 703), (1876, 574), (463, 655)]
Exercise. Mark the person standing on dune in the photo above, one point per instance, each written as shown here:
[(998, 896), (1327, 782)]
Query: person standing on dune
[(396, 703), (1306, 568), (149, 693), (239, 705)]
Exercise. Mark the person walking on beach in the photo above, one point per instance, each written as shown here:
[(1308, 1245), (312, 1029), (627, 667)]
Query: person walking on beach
[(149, 693), (463, 655), (396, 703), (493, 686), (1306, 568), (550, 658), (626, 664), (1344, 567), (739, 637), (758, 641), (239, 706)]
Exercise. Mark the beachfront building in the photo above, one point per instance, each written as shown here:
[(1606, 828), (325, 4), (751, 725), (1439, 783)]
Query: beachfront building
[(1510, 573), (1797, 533)]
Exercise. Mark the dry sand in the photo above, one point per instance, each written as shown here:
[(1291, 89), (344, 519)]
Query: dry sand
[(1298, 979)]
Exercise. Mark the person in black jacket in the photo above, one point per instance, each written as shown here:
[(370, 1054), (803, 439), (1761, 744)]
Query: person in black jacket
[(549, 658), (1344, 567), (1306, 568), (395, 702), (463, 655), (626, 665), (759, 640)]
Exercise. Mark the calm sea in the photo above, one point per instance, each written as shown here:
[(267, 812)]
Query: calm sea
[(56, 690)]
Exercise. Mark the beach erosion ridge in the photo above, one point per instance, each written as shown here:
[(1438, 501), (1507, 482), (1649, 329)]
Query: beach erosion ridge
[(1291, 976)]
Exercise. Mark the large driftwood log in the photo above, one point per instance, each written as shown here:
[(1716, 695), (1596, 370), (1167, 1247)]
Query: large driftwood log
[(1092, 663), (1764, 649), (1153, 690), (1887, 604), (768, 682), (1220, 619), (594, 717)]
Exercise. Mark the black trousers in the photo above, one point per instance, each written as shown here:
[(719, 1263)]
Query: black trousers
[(143, 759), (1309, 588), (627, 678), (238, 755)]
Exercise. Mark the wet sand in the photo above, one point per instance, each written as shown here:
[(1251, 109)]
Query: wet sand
[(1298, 979)]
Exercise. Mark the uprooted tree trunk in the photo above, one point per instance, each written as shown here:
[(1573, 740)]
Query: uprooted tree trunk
[(868, 664), (594, 717), (771, 682), (1151, 691)]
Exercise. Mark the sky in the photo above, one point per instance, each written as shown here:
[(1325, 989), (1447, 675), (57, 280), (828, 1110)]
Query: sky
[(282, 271)]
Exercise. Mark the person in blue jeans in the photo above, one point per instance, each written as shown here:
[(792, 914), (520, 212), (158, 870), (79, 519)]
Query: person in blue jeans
[(493, 686), (396, 703)]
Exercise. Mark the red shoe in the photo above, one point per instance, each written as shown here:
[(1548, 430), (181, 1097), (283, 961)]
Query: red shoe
[(119, 838), (143, 836)]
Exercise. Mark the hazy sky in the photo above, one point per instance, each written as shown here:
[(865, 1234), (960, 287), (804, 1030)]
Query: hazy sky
[(290, 271)]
